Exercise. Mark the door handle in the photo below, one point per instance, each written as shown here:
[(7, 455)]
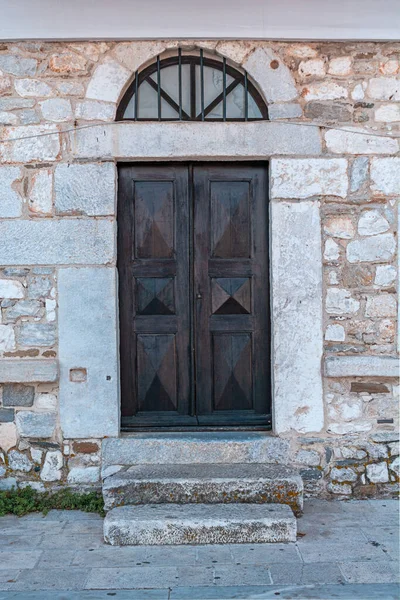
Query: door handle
[(198, 296)]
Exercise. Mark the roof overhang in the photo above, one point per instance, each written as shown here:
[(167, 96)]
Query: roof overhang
[(366, 20)]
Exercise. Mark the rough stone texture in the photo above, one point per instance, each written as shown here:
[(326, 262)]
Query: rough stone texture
[(6, 415), (56, 109), (339, 227), (377, 248), (16, 394), (276, 84), (95, 349), (297, 316), (385, 275), (385, 176), (85, 189), (284, 111), (19, 462), (37, 334), (381, 306), (372, 222), (204, 484), (40, 195), (302, 178), (33, 146), (195, 448), (108, 81), (28, 370), (335, 333), (345, 142), (91, 110), (9, 288), (359, 173), (35, 425), (52, 466), (361, 366), (378, 473), (8, 436), (10, 199), (57, 242), (199, 524), (84, 475)]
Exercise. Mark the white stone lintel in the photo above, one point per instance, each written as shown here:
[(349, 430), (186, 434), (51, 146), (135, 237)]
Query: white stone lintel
[(15, 370), (362, 366), (205, 141)]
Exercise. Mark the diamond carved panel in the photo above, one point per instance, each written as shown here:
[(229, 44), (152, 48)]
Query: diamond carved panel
[(156, 356), (231, 296), (232, 371), (155, 296), (154, 219)]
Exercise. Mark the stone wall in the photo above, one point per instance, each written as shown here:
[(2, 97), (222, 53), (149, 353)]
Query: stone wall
[(57, 226)]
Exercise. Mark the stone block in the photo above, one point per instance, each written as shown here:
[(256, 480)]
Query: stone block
[(199, 524), (17, 394), (17, 65), (84, 475), (331, 250), (46, 402), (10, 199), (197, 141), (6, 416), (14, 370), (385, 176), (306, 177), (284, 110), (52, 466), (340, 66), (380, 247), (385, 275), (339, 227), (88, 189), (204, 484), (339, 301), (37, 334), (312, 68), (33, 146), (384, 305), (273, 76), (67, 62), (8, 484), (362, 366), (40, 197), (89, 409), (19, 462), (297, 316), (378, 473), (57, 242), (196, 448), (389, 113), (343, 475), (34, 88), (7, 338), (35, 425), (383, 88), (23, 308), (359, 173), (346, 142), (134, 54), (10, 288), (324, 90), (335, 333), (91, 110), (108, 81), (372, 222), (56, 109), (8, 436), (328, 111)]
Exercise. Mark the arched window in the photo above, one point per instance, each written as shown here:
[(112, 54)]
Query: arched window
[(189, 87)]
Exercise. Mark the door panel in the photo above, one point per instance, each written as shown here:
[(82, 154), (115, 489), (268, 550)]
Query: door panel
[(153, 264), (231, 293), (194, 298)]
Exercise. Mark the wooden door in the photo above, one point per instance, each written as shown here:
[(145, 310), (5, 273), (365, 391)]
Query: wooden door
[(194, 299), (231, 291)]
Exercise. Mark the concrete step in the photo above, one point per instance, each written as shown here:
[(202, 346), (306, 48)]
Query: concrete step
[(195, 448), (204, 484), (171, 524)]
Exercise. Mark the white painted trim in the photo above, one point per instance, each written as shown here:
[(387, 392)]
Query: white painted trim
[(254, 19)]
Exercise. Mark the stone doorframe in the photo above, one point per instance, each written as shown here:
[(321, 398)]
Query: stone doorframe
[(299, 174)]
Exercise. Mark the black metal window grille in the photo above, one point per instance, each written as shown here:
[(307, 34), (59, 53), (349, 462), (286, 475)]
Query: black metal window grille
[(191, 87)]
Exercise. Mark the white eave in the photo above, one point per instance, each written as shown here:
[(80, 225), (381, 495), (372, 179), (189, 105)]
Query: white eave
[(312, 20)]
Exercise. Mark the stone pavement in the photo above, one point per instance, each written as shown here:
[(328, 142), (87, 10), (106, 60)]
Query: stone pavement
[(344, 550)]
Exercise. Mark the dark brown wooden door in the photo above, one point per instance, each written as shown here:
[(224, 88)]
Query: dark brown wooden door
[(194, 297)]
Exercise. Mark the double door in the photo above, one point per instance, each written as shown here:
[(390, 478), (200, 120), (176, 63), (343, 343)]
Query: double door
[(194, 295)]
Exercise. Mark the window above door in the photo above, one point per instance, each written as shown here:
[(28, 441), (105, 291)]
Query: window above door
[(192, 87)]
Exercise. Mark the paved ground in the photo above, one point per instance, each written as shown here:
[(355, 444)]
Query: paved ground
[(345, 550)]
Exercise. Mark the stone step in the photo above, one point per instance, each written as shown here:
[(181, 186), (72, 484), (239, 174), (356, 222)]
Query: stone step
[(195, 448), (171, 524), (204, 484)]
